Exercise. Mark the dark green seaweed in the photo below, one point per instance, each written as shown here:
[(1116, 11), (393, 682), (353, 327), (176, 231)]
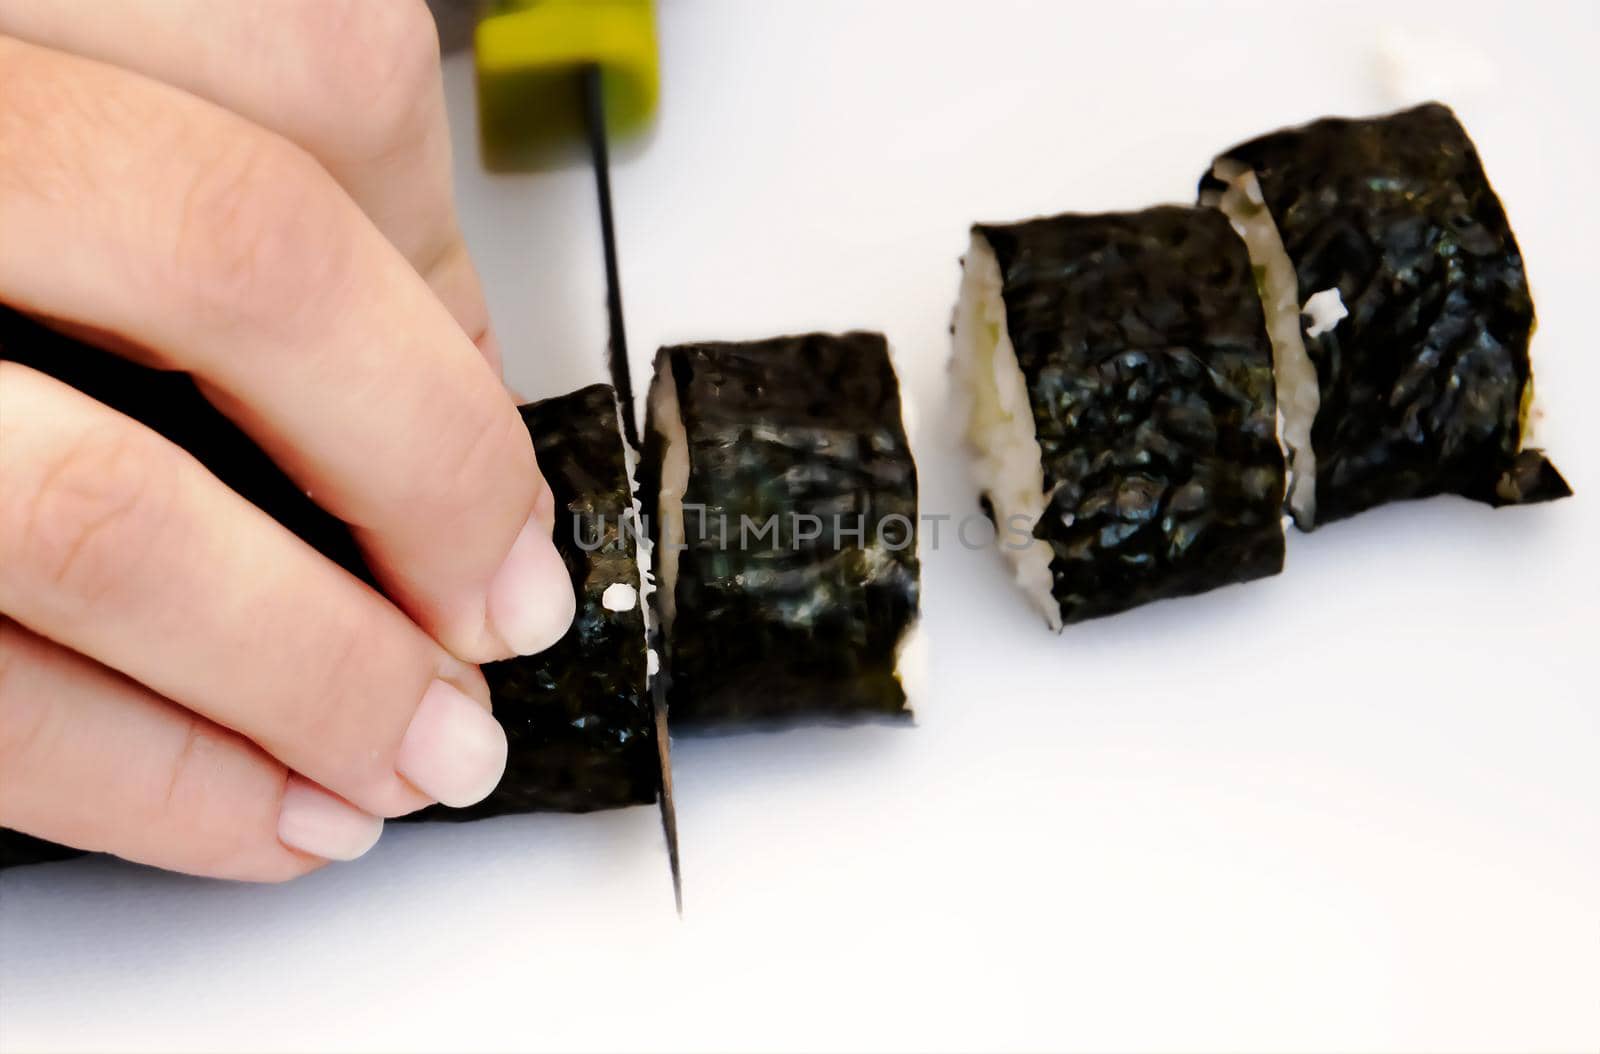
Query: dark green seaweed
[(1148, 370), (18, 849), (1423, 385), (578, 715), (546, 770), (781, 626)]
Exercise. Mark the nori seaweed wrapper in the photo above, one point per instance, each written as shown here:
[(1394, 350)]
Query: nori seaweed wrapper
[(577, 715), (18, 849), (1149, 374), (783, 627), (1424, 386)]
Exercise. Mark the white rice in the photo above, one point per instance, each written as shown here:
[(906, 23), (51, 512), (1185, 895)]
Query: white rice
[(1007, 461), (912, 650), (911, 662), (1294, 375), (674, 482), (1323, 310), (619, 596)]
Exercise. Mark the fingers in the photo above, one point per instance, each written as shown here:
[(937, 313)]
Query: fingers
[(227, 252), (91, 760), (354, 82), (119, 545)]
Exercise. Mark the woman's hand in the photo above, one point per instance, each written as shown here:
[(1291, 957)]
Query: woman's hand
[(258, 194)]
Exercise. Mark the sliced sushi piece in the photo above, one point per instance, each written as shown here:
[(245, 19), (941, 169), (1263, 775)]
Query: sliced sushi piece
[(577, 715), (783, 510), (1120, 406), (1410, 376)]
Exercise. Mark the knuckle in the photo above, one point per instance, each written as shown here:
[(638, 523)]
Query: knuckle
[(29, 158), (344, 734), (96, 511), (241, 219), (490, 457), (52, 118), (182, 793), (259, 234), (380, 61), (183, 780), (324, 719)]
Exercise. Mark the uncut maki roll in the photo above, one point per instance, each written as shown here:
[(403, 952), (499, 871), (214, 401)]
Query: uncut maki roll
[(1120, 406), (577, 715), (783, 512), (1411, 376)]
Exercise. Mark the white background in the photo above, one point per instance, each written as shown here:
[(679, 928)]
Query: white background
[(1353, 807)]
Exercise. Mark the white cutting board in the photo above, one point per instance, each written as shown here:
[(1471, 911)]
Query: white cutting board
[(1354, 807)]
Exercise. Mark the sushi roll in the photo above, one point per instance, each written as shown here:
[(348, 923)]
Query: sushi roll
[(577, 716), (783, 515), (1410, 376), (1120, 404)]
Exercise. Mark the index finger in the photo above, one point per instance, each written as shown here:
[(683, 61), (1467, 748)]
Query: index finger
[(228, 252), (354, 82)]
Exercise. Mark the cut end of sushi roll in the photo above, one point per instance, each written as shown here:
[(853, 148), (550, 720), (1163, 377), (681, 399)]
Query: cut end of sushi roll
[(772, 469), (667, 450), (999, 426), (1120, 407), (1239, 198), (1419, 315)]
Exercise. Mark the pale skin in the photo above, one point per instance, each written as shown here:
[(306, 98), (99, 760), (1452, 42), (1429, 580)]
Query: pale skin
[(258, 195)]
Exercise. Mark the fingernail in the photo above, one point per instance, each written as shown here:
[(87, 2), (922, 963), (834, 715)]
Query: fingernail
[(322, 824), (530, 597), (454, 751)]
